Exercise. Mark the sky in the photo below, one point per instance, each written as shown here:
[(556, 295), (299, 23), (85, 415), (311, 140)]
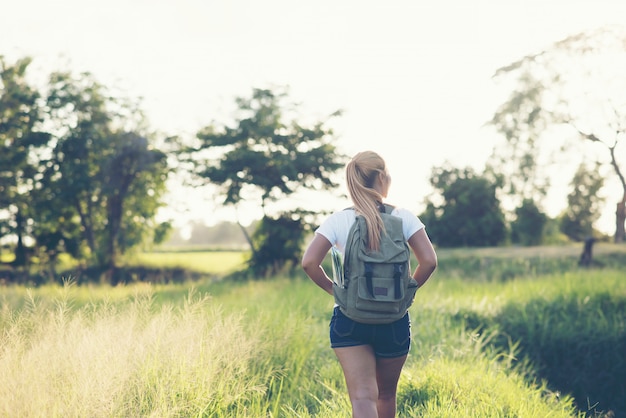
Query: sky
[(413, 78)]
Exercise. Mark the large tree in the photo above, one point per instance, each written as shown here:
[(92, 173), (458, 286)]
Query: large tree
[(103, 167), (22, 141), (266, 154), (579, 84)]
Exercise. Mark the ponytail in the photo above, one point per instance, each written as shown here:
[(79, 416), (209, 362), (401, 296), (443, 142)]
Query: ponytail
[(361, 173)]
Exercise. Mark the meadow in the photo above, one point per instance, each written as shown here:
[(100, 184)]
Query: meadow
[(496, 333)]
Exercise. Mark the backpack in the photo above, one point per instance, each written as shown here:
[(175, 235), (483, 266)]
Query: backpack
[(377, 286)]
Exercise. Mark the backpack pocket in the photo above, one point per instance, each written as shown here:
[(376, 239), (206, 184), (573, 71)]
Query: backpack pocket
[(379, 294), (381, 298)]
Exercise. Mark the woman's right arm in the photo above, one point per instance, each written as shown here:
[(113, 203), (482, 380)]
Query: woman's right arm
[(312, 262), (425, 254)]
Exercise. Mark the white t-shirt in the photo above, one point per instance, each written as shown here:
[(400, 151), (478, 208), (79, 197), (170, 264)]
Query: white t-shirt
[(337, 226)]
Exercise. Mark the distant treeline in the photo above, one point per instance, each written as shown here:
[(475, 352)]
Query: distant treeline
[(221, 235)]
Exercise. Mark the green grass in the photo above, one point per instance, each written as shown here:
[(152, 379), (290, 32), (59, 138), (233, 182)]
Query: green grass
[(546, 251), (485, 344), (260, 349), (210, 262), (571, 328), (493, 264)]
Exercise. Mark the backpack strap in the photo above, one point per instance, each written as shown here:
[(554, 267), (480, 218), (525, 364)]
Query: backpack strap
[(397, 276), (369, 273), (386, 208), (397, 268), (382, 207)]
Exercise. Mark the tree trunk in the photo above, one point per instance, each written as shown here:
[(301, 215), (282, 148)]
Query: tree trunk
[(114, 222), (20, 250), (620, 220), (247, 236), (620, 212), (86, 222)]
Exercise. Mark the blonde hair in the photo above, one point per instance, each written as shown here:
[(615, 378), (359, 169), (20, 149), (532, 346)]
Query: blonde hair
[(361, 173)]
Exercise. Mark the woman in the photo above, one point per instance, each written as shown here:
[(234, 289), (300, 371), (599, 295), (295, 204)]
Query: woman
[(371, 356)]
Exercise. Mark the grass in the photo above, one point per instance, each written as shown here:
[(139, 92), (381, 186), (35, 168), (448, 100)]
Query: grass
[(547, 251), (533, 345), (260, 349), (210, 262), (135, 361)]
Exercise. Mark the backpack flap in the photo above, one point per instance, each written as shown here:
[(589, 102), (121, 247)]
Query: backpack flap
[(392, 248), (380, 287)]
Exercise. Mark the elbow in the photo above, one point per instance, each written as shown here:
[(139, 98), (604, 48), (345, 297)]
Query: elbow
[(433, 267), (430, 263), (307, 265)]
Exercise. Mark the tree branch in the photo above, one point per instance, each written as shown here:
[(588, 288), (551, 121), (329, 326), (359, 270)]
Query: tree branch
[(593, 138)]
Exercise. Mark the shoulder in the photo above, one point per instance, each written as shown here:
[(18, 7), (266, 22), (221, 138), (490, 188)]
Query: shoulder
[(341, 219), (337, 225), (410, 222), (402, 213)]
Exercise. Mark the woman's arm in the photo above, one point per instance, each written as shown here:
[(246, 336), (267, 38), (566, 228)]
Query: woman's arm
[(425, 254), (312, 262)]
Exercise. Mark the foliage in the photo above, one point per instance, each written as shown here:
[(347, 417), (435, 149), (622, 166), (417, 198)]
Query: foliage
[(22, 141), (522, 121), (266, 153), (112, 178), (583, 204), (576, 84), (278, 242), (469, 214), (79, 173), (529, 224)]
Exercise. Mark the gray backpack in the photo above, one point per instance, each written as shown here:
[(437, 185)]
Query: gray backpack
[(377, 287)]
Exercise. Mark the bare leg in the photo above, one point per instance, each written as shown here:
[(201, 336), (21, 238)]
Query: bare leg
[(359, 368), (387, 375)]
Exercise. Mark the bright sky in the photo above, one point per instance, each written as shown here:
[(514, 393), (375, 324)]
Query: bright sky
[(413, 77)]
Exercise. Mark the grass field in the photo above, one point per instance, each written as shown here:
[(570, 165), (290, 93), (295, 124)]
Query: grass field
[(211, 262), (222, 262), (534, 345)]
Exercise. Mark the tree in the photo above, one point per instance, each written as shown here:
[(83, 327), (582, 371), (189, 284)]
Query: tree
[(278, 242), (529, 224), (265, 156), (576, 83), (134, 180), (469, 212), (102, 167), (21, 141), (517, 163), (82, 126), (583, 203)]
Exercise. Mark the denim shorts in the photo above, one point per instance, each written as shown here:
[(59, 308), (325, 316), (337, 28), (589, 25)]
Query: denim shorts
[(387, 340)]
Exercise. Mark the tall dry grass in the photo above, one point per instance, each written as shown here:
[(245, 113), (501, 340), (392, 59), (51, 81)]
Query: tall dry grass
[(100, 360)]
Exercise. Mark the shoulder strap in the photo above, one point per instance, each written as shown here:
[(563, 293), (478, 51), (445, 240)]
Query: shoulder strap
[(383, 208), (386, 208)]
